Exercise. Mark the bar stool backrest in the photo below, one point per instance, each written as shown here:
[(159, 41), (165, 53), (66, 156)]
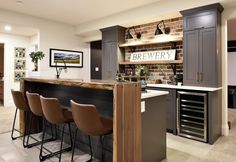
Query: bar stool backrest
[(86, 118), (34, 103), (19, 100), (52, 110)]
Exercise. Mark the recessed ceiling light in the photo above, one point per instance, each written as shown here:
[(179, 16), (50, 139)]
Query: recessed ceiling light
[(7, 28), (19, 2)]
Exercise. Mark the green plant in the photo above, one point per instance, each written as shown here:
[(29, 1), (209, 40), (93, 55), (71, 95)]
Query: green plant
[(35, 56), (141, 70)]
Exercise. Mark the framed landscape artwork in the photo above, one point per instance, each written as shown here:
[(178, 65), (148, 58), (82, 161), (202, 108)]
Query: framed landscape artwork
[(68, 58)]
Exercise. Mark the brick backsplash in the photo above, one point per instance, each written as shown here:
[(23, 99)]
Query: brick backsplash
[(157, 71)]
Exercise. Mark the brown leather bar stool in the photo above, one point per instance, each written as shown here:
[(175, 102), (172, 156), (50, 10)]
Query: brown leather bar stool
[(36, 109), (55, 114), (21, 104), (91, 123)]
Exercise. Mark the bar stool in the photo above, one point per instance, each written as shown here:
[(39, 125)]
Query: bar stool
[(91, 123), (36, 109), (21, 104), (55, 114)]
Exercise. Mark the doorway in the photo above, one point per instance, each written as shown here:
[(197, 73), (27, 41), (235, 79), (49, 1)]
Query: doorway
[(1, 74), (231, 72), (96, 60)]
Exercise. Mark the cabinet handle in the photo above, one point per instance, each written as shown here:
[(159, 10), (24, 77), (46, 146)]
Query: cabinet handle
[(201, 76), (197, 28), (177, 114), (197, 76)]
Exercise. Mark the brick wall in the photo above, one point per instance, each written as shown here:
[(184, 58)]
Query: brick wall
[(163, 72)]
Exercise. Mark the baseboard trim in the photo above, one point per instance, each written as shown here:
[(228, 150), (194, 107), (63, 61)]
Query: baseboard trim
[(225, 130)]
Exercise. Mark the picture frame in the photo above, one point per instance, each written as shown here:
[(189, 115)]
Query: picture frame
[(20, 52), (68, 58)]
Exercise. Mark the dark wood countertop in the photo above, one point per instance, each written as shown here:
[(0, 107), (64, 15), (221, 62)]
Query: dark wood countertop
[(95, 84)]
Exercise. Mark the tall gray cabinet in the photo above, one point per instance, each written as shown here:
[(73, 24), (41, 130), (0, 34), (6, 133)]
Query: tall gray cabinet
[(111, 53), (202, 53)]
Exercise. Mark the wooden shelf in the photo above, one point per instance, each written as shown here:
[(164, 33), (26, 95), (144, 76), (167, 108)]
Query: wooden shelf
[(152, 62), (159, 40)]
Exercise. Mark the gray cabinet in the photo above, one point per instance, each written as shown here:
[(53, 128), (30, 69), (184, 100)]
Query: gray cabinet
[(171, 109), (111, 53), (202, 57)]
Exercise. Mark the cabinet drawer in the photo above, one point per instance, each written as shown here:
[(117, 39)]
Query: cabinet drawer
[(200, 20)]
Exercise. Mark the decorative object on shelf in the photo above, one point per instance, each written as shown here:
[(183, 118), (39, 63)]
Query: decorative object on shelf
[(159, 31), (158, 55), (141, 70), (35, 57), (59, 57), (129, 36), (19, 63)]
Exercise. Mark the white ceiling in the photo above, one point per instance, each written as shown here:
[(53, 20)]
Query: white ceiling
[(72, 11), (18, 30)]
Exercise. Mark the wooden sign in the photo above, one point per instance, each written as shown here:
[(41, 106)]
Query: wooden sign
[(160, 55)]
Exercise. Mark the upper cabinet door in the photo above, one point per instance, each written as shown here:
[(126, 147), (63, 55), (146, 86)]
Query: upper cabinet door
[(191, 57), (207, 57), (200, 20)]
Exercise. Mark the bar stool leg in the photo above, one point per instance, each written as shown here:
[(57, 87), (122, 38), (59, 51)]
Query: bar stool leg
[(73, 148), (30, 123), (91, 150), (13, 127), (71, 141), (41, 157), (62, 136), (102, 141), (26, 129)]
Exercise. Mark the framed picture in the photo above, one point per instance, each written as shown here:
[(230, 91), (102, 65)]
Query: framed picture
[(62, 58), (18, 75), (20, 52), (20, 64)]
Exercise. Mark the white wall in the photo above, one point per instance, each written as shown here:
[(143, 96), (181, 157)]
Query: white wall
[(10, 42), (231, 68), (228, 14), (51, 35), (231, 55), (231, 29)]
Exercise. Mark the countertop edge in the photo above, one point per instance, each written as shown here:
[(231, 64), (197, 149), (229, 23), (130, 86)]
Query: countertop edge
[(153, 93), (210, 89)]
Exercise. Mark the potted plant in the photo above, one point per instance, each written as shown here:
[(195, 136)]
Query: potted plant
[(142, 71), (35, 57)]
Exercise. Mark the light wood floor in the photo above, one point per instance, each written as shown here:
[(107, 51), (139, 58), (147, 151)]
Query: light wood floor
[(178, 149)]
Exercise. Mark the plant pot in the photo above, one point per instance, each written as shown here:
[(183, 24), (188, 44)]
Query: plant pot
[(35, 66)]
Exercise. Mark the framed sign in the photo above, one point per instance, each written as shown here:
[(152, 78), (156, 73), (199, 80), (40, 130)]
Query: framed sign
[(68, 58), (160, 55)]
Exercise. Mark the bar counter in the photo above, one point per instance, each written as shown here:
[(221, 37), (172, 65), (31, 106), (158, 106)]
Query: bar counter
[(120, 101)]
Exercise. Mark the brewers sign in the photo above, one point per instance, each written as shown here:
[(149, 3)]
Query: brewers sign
[(163, 55)]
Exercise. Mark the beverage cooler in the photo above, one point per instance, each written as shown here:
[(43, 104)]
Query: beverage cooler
[(192, 115)]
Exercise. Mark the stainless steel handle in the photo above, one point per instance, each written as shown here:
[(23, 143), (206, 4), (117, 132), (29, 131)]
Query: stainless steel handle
[(201, 27), (177, 115), (201, 76), (197, 77)]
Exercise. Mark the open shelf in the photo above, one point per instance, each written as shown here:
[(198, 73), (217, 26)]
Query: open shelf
[(159, 40), (151, 62)]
